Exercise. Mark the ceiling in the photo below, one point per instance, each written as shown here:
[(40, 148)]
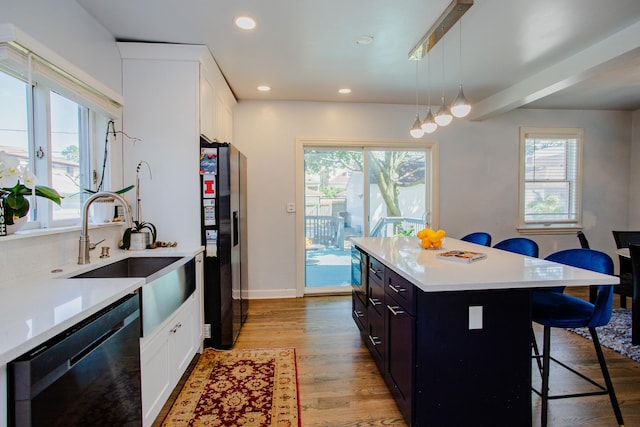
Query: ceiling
[(569, 54)]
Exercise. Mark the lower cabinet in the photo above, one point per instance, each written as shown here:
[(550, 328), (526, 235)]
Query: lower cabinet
[(400, 333), (165, 355), (387, 323)]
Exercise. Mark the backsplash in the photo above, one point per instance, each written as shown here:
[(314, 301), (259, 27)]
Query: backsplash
[(29, 257)]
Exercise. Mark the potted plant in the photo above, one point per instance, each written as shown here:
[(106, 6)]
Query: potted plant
[(16, 184), (137, 238)]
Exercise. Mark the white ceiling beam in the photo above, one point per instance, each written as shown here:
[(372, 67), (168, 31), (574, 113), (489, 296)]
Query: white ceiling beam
[(566, 73)]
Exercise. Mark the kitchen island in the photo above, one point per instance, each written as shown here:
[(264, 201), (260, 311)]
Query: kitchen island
[(452, 339)]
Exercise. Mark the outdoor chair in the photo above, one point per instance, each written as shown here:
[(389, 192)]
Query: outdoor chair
[(554, 309)]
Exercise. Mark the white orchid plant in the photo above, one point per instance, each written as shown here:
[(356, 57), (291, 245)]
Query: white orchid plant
[(16, 184)]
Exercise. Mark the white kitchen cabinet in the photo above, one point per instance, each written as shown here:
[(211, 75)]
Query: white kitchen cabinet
[(165, 355), (173, 95)]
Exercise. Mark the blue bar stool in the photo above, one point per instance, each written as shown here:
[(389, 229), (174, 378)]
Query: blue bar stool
[(519, 245), (551, 308), (480, 238)]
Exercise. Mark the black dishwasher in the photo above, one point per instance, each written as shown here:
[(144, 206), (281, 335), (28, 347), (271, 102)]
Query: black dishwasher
[(89, 375)]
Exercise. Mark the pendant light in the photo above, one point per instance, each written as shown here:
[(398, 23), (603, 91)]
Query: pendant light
[(443, 116), (429, 125), (416, 130), (460, 106)]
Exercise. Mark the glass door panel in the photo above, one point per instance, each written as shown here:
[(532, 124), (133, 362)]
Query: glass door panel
[(397, 192), (334, 213)]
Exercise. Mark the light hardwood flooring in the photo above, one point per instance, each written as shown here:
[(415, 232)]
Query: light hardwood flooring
[(339, 384)]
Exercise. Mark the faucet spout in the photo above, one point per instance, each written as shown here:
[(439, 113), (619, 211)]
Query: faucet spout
[(84, 244)]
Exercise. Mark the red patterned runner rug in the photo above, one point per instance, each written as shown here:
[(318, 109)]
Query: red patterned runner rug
[(240, 387)]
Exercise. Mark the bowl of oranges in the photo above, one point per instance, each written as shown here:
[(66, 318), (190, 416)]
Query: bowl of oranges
[(431, 239)]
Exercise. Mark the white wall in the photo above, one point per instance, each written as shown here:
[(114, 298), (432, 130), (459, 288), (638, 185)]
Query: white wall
[(478, 173), (68, 30)]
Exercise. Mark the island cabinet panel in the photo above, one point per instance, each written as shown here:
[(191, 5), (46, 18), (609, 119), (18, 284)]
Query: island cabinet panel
[(455, 376), (400, 332), (376, 336)]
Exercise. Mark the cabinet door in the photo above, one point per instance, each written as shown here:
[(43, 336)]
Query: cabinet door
[(400, 356), (184, 337), (375, 339), (156, 374), (207, 105), (359, 313)]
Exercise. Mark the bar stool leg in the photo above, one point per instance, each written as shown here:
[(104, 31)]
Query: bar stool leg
[(546, 361), (607, 378)]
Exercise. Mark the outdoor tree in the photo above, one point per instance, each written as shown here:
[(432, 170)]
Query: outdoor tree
[(390, 170)]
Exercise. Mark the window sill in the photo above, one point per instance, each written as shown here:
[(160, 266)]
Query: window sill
[(38, 232), (549, 229)]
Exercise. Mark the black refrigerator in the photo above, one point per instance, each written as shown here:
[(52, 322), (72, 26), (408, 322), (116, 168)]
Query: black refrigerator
[(224, 235)]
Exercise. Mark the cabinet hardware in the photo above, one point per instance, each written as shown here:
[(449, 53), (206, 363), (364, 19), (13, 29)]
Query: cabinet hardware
[(175, 328), (397, 289), (358, 313), (375, 340), (395, 310), (375, 301)]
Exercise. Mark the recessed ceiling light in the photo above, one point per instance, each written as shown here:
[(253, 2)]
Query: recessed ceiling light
[(245, 22), (264, 88), (344, 90), (364, 39)]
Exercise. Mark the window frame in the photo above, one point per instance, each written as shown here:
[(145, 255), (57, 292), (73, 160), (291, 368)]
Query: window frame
[(551, 226), (42, 77)]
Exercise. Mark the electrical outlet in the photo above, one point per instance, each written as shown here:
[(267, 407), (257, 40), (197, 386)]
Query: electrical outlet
[(207, 330)]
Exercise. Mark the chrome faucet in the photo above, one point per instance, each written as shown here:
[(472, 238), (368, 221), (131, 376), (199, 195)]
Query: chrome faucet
[(84, 244)]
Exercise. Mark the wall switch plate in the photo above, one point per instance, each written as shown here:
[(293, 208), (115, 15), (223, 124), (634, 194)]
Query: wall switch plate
[(291, 207), (475, 317), (207, 330)]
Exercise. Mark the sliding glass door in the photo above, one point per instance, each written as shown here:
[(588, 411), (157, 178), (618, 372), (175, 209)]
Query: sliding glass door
[(356, 191)]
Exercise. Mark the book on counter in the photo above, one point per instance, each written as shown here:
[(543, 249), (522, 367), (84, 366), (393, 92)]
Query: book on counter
[(462, 256)]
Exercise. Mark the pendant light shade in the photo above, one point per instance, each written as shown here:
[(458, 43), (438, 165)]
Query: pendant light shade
[(443, 116), (429, 125), (416, 130), (460, 107)]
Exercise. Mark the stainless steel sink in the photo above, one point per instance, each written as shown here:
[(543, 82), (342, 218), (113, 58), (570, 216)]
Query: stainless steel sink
[(169, 282), (130, 267)]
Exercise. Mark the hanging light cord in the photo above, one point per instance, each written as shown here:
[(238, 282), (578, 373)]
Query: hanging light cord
[(460, 58), (442, 64), (416, 87)]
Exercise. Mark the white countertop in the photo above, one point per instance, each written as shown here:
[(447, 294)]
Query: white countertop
[(33, 312), (500, 270)]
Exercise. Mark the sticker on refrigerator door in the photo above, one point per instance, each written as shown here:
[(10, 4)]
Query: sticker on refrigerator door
[(208, 161), (208, 186), (211, 237), (209, 211)]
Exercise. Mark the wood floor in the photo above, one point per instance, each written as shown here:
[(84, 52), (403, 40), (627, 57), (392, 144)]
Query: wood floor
[(339, 384)]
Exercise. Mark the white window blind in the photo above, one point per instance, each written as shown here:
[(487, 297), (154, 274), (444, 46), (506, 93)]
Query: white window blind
[(550, 178), (30, 67)]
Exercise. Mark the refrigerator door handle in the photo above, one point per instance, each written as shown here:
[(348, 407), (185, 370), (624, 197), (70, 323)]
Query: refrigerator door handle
[(235, 228)]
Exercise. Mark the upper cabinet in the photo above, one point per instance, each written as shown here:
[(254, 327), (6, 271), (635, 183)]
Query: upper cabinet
[(215, 101)]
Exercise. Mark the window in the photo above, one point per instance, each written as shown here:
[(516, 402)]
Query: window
[(51, 122), (550, 179)]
